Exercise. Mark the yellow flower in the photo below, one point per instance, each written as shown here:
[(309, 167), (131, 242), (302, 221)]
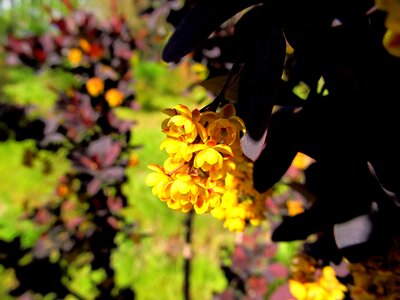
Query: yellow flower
[(209, 156), (235, 224), (158, 180), (201, 205), (213, 190), (224, 127), (301, 161), (326, 288), (133, 160), (114, 97), (297, 289), (183, 124), (294, 207), (74, 56), (94, 86), (184, 189), (179, 151), (391, 41)]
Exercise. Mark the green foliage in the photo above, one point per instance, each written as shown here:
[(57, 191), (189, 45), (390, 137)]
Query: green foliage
[(159, 86), (27, 187), (28, 17), (7, 282), (286, 252), (27, 87)]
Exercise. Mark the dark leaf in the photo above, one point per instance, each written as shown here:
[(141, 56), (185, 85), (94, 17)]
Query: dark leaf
[(215, 85), (279, 151), (201, 20), (260, 79)]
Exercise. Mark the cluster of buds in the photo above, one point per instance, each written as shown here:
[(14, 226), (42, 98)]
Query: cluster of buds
[(205, 170)]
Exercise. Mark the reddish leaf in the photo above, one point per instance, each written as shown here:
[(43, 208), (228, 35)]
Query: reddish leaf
[(114, 204), (270, 250), (278, 270), (93, 187), (240, 258), (111, 155), (282, 293), (256, 286)]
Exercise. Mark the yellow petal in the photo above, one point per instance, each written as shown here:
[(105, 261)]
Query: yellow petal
[(183, 110), (196, 147), (152, 179), (224, 149), (201, 206), (155, 168), (297, 290), (202, 132)]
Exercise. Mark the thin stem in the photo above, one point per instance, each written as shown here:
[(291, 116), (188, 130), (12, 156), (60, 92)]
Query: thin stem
[(187, 254)]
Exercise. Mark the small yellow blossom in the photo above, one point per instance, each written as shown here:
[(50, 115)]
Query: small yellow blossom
[(391, 39), (74, 56), (114, 97), (294, 206), (179, 151), (94, 86), (183, 124), (158, 180)]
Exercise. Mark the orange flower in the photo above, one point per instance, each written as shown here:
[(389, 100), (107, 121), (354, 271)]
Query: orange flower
[(85, 45), (114, 97), (94, 86), (133, 160), (62, 190)]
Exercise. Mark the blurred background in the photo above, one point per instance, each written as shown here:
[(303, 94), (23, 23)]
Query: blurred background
[(82, 88)]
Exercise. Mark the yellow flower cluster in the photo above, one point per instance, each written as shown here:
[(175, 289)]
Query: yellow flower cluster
[(241, 203), (391, 39), (326, 288), (206, 170), (377, 278), (306, 285)]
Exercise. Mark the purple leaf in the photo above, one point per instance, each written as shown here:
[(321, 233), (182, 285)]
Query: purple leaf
[(278, 270), (100, 146), (111, 155), (93, 186), (256, 286), (240, 258), (113, 173), (282, 293), (270, 250)]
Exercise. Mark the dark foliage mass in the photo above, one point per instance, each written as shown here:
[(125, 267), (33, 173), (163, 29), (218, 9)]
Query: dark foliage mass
[(83, 218), (348, 122)]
